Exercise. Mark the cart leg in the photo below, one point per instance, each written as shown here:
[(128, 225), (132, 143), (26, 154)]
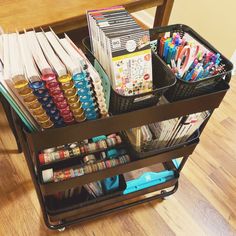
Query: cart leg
[(62, 229), (163, 192)]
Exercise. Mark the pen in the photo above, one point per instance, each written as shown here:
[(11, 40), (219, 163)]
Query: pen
[(171, 47), (166, 47)]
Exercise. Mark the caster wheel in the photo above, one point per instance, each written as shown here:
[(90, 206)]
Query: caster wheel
[(163, 192), (62, 229)]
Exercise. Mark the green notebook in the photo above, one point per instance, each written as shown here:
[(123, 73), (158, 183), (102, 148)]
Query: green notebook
[(105, 82)]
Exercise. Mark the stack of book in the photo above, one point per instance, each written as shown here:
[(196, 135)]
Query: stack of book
[(48, 80)]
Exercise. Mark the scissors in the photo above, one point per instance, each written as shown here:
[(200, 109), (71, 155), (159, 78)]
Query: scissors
[(186, 58)]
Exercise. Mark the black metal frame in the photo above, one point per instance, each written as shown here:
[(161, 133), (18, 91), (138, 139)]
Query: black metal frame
[(32, 143), (82, 219)]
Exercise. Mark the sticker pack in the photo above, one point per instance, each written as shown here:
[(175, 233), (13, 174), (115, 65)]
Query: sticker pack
[(123, 49)]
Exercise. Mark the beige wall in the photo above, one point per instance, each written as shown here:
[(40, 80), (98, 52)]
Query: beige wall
[(215, 20)]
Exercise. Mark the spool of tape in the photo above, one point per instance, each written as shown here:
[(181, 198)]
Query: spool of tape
[(47, 175)]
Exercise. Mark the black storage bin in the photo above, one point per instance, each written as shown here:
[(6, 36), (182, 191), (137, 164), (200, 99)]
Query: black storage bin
[(185, 89), (163, 79), (55, 206), (151, 152)]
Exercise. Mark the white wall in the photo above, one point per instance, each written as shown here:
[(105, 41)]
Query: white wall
[(215, 20)]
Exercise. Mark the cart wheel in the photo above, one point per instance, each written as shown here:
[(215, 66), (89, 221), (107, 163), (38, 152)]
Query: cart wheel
[(163, 192), (62, 229)]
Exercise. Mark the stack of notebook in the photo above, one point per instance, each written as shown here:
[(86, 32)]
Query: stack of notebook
[(48, 80)]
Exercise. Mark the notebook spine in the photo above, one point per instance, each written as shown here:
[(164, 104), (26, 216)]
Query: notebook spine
[(86, 94)]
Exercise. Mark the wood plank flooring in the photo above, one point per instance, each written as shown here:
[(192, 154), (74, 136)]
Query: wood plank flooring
[(205, 203)]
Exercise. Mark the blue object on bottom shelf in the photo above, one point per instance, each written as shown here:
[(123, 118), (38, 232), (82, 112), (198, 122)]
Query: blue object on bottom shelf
[(147, 180), (111, 183), (176, 163)]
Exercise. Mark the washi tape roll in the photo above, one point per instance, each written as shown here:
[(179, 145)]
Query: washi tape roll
[(80, 118), (77, 112), (65, 112), (59, 123), (91, 116), (56, 117), (39, 111), (52, 88), (30, 99), (69, 120), (49, 105), (45, 100), (79, 77), (34, 106), (67, 85), (52, 85), (19, 81), (84, 92), (26, 91), (43, 118), (74, 106), (74, 99), (46, 125), (70, 92), (47, 175), (52, 112), (56, 93), (91, 109), (41, 93), (88, 104), (37, 85), (59, 99), (48, 77), (64, 78), (62, 105), (89, 159)]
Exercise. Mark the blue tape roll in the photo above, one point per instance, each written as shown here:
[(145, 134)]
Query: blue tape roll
[(45, 100), (79, 77), (41, 93), (112, 153), (37, 85)]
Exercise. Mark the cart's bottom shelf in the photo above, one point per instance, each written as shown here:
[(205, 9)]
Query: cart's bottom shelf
[(126, 195)]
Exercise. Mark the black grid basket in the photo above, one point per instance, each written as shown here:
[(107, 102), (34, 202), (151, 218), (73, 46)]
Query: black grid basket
[(163, 79), (186, 89), (154, 151)]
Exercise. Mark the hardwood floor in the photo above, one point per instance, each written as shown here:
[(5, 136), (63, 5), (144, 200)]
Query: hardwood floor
[(205, 203)]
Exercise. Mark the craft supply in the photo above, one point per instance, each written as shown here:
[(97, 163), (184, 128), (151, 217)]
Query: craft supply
[(90, 166), (165, 133), (189, 59), (101, 143)]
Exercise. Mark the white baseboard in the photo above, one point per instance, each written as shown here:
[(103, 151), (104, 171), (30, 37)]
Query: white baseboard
[(144, 17)]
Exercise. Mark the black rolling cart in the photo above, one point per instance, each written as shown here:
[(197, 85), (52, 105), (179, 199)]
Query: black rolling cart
[(59, 217)]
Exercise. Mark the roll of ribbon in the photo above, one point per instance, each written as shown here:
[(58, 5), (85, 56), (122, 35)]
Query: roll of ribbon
[(26, 91), (48, 77), (30, 99), (37, 85), (41, 93), (67, 85), (45, 100)]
